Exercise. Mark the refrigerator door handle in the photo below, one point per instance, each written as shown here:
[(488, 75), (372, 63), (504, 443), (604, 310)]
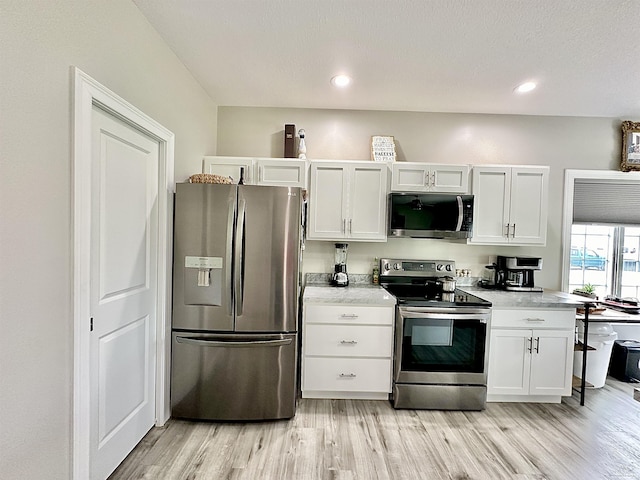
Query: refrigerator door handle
[(239, 252), (234, 344), (229, 251)]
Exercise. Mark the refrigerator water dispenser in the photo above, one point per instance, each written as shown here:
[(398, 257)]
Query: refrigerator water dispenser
[(203, 280)]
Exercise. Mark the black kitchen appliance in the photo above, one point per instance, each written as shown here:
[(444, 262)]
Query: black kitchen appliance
[(340, 277), (516, 273), (441, 338)]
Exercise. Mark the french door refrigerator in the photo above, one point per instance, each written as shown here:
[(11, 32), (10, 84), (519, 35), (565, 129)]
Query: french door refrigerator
[(235, 301)]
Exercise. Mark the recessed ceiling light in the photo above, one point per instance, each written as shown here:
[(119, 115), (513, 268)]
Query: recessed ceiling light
[(525, 87), (341, 81)]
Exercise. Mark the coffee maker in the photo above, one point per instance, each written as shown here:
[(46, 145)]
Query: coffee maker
[(516, 273), (340, 277)]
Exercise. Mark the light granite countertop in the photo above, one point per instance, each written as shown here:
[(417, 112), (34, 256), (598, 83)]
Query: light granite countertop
[(544, 299), (356, 294), (362, 292), (359, 292)]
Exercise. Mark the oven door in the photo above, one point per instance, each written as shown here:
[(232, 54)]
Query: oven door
[(441, 345)]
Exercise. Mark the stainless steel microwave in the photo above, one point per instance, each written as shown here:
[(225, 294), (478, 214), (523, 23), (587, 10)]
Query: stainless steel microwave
[(430, 215)]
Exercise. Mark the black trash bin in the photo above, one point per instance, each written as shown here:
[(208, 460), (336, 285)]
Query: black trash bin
[(625, 360)]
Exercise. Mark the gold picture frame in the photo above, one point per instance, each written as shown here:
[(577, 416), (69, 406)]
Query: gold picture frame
[(630, 146)]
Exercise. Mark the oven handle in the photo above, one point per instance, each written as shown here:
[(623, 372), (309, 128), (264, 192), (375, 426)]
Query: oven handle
[(480, 317)]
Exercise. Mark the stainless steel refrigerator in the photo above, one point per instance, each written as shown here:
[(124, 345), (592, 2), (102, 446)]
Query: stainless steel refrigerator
[(235, 301)]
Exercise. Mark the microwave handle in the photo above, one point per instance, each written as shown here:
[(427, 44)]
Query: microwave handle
[(460, 213)]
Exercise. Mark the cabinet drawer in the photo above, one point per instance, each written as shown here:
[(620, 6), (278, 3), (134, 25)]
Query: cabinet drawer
[(534, 318), (348, 340), (347, 374), (349, 315)]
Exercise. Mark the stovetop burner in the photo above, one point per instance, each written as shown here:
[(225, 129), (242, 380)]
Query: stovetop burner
[(421, 295)]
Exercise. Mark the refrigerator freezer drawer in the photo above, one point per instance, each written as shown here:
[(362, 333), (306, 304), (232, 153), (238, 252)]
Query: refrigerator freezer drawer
[(233, 376)]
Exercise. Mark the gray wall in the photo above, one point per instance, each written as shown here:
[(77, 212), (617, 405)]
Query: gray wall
[(40, 40), (560, 142)]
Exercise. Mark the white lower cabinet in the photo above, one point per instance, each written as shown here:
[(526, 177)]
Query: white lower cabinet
[(530, 355), (347, 351), (340, 377)]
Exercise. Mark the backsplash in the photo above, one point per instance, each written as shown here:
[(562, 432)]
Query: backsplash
[(325, 279), (366, 279), (318, 256)]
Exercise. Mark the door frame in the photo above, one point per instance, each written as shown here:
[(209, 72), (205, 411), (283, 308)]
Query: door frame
[(88, 93)]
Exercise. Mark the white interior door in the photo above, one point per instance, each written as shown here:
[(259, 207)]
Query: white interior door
[(123, 292)]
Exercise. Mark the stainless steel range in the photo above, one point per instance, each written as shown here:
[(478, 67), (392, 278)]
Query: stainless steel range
[(441, 337)]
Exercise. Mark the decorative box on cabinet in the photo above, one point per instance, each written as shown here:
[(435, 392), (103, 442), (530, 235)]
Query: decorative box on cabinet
[(510, 205), (347, 351), (429, 177), (530, 355), (347, 201)]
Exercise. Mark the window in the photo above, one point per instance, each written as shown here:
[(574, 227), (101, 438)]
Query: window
[(602, 220), (591, 258), (630, 273), (606, 257)]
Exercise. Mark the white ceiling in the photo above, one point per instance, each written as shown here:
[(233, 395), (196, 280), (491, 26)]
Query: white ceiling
[(411, 55)]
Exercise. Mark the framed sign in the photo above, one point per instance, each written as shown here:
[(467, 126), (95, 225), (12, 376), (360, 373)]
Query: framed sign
[(383, 148), (630, 146)]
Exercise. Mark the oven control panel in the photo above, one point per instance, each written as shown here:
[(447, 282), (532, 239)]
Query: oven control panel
[(416, 268)]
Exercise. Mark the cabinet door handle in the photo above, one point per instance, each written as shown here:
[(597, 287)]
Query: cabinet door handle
[(535, 319), (433, 179), (507, 230), (347, 375), (349, 342), (350, 224), (426, 179), (530, 342), (537, 344), (513, 235), (349, 315), (344, 225)]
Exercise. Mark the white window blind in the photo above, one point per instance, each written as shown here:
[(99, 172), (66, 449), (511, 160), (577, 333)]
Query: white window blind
[(606, 203)]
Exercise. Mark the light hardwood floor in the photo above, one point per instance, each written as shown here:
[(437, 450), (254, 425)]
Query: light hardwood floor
[(354, 439)]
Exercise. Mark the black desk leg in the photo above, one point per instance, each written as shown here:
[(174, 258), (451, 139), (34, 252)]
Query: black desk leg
[(583, 381)]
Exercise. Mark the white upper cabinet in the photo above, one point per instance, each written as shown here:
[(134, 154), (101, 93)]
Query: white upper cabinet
[(229, 167), (284, 172), (429, 177), (510, 205), (348, 201)]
